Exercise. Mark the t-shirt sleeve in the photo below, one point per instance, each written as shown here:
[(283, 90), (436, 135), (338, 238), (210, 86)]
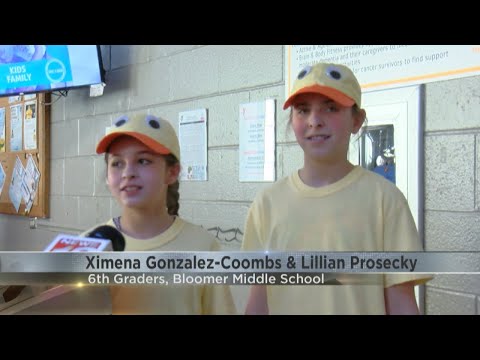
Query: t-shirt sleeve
[(400, 234), (253, 239)]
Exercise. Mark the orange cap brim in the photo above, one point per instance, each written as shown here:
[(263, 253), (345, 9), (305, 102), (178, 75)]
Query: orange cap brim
[(147, 141), (333, 94)]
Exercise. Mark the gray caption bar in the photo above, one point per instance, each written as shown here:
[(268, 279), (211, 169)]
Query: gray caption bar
[(240, 261)]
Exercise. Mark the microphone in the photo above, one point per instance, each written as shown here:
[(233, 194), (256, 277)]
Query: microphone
[(108, 232), (102, 238)]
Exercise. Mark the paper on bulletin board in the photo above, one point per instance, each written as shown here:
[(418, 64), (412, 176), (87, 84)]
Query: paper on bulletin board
[(13, 99), (257, 141), (2, 129), (16, 127), (30, 125), (30, 180), (192, 134), (2, 177), (29, 97), (15, 190)]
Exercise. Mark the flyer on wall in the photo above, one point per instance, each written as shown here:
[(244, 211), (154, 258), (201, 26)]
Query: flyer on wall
[(192, 136)]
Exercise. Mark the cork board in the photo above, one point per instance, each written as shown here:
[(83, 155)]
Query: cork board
[(25, 135)]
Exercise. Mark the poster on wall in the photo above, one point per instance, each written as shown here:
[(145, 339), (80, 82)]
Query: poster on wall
[(257, 141), (192, 136), (380, 67)]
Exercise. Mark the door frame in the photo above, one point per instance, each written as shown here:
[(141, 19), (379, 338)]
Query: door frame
[(409, 102)]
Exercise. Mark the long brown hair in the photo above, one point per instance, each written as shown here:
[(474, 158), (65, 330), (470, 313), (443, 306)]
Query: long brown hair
[(172, 192)]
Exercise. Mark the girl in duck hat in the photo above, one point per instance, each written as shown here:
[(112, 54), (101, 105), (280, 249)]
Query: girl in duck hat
[(142, 154), (331, 205)]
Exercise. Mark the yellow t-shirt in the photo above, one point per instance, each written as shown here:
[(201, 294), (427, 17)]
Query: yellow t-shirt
[(360, 212), (172, 299)]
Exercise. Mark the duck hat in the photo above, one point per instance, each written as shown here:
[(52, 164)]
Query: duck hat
[(154, 132), (332, 80)]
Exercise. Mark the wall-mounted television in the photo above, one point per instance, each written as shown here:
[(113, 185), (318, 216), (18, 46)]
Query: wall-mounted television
[(26, 69)]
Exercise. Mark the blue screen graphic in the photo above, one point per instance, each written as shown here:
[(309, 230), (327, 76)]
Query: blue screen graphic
[(33, 68)]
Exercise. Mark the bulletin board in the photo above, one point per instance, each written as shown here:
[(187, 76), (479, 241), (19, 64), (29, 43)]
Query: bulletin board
[(25, 155)]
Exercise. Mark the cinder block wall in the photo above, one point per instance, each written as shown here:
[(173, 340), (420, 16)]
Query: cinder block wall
[(452, 188), (168, 79)]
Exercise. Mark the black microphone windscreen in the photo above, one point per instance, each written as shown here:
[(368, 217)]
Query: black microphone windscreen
[(107, 232)]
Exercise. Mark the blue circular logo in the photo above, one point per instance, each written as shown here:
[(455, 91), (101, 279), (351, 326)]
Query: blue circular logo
[(55, 70)]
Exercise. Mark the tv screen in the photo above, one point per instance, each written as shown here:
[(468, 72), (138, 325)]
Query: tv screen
[(35, 68)]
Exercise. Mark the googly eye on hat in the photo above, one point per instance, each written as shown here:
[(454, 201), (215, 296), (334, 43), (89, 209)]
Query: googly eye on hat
[(154, 132), (335, 81), (304, 72), (334, 72)]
